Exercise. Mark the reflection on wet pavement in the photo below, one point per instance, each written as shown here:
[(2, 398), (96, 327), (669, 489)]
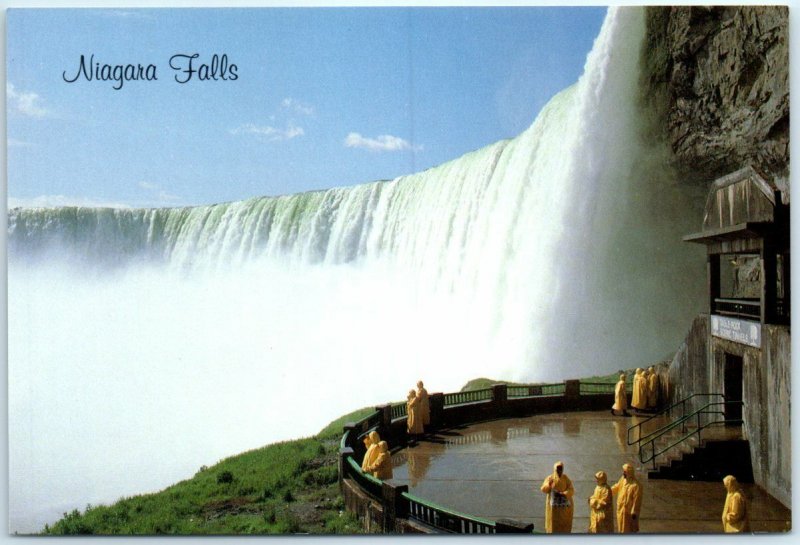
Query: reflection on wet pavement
[(495, 469)]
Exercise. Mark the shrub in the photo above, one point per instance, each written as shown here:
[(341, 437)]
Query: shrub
[(225, 477)]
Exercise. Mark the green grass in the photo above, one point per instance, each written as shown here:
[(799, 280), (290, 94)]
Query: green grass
[(283, 488)]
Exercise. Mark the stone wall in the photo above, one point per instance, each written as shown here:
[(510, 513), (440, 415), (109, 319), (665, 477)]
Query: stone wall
[(717, 78), (699, 367)]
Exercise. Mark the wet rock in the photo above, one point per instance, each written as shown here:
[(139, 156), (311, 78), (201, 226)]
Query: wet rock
[(719, 76)]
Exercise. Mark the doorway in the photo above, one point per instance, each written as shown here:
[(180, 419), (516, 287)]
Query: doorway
[(733, 386)]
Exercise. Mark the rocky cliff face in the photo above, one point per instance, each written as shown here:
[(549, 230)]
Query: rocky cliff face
[(717, 80)]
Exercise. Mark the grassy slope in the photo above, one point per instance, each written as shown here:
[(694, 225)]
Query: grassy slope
[(287, 487)]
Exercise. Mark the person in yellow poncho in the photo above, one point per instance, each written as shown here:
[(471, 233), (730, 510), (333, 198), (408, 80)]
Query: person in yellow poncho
[(639, 400), (371, 442), (652, 389), (629, 501), (735, 517), (620, 397), (424, 406), (414, 421), (558, 505), (382, 467), (601, 507)]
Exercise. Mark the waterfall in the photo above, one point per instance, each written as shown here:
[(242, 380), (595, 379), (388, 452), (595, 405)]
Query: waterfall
[(552, 255)]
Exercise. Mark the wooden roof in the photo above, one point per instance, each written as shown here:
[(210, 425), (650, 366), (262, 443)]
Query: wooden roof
[(740, 198)]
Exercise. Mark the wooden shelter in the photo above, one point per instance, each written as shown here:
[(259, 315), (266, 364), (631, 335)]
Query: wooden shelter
[(746, 233)]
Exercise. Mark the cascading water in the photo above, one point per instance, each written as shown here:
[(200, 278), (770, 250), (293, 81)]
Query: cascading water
[(191, 334)]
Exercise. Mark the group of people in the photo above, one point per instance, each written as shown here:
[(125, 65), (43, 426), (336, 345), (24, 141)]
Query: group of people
[(559, 507), (377, 459), (645, 392), (418, 409)]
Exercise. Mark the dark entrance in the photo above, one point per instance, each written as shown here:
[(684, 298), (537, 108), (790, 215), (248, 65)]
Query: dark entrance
[(733, 386)]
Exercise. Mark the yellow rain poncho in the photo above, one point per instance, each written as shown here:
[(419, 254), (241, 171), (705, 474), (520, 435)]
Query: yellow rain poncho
[(558, 505), (652, 389), (414, 421), (424, 406), (639, 400), (620, 396), (382, 468), (371, 442), (629, 501), (601, 507), (735, 517)]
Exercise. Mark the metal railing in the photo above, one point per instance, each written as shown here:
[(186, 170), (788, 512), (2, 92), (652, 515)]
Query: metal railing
[(663, 412), (445, 519), (696, 416), (462, 398), (536, 390), (399, 410)]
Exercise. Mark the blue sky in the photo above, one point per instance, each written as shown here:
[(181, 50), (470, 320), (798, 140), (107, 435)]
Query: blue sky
[(323, 97)]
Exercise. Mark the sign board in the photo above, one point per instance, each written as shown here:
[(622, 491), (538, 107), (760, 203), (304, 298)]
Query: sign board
[(736, 330)]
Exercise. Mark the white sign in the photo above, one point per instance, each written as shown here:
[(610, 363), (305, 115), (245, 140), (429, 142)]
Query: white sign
[(736, 330)]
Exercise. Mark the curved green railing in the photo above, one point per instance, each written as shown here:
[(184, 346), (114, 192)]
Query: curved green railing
[(473, 396), (399, 410), (536, 390), (450, 521)]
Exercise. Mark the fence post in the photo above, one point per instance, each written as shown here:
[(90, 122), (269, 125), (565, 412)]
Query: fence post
[(344, 452), (436, 403), (499, 398), (386, 417), (572, 394), (394, 505)]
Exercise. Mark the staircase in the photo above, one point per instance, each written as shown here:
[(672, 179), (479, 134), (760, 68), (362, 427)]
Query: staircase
[(697, 446), (709, 459)]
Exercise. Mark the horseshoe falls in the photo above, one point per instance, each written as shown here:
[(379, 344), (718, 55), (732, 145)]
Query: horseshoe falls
[(144, 343)]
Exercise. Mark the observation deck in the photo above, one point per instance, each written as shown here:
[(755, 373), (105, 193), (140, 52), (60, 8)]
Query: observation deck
[(480, 468), (493, 470)]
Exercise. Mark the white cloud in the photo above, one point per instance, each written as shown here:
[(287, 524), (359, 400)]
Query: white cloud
[(12, 143), (297, 106), (269, 132), (24, 103), (53, 201), (384, 142), (157, 192)]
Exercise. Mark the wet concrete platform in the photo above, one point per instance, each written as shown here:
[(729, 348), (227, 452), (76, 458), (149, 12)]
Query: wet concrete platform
[(495, 469)]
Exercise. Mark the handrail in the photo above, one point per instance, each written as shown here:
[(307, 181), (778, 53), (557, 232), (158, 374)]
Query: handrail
[(535, 390), (399, 410), (445, 519), (473, 396), (682, 422), (681, 403)]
